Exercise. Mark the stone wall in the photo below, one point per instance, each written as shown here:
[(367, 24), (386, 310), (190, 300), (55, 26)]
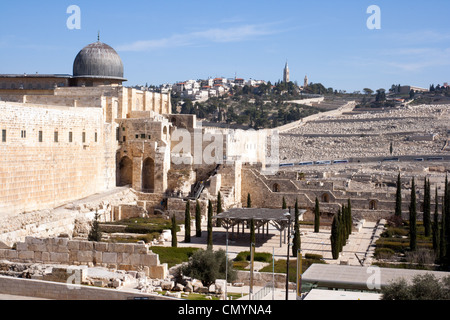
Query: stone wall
[(128, 257), (52, 155), (60, 291)]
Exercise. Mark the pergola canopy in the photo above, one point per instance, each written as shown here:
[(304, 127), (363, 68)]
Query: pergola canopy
[(279, 218)]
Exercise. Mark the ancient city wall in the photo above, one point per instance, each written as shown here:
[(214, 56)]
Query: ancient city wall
[(52, 155), (128, 257)]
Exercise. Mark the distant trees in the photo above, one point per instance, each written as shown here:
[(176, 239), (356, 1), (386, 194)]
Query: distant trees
[(413, 218), (210, 225), (187, 222), (284, 205), (335, 236), (95, 234), (198, 220), (398, 198), (341, 229), (249, 201), (427, 208), (423, 287), (174, 231)]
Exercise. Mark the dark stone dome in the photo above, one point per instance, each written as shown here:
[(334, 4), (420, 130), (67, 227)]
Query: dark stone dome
[(98, 60)]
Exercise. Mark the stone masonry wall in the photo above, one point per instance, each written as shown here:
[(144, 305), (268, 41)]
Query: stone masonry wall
[(134, 257), (37, 172)]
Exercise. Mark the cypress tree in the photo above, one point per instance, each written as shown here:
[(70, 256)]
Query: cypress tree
[(95, 234), (413, 218), (317, 217), (427, 208), (210, 226), (198, 220), (219, 207), (335, 237), (398, 197), (284, 204), (174, 231), (297, 240), (446, 221), (436, 237), (249, 201), (187, 222)]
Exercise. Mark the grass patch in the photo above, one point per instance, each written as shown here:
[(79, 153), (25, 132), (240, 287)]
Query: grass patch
[(173, 256)]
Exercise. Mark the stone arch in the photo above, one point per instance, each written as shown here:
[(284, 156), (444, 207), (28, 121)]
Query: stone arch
[(125, 172), (373, 205), (148, 175), (276, 187), (326, 198)]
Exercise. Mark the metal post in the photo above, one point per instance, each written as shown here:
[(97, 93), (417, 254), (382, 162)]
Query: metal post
[(252, 257), (226, 270), (299, 274), (287, 263), (273, 273)]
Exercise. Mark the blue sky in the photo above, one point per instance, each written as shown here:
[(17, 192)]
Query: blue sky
[(169, 41)]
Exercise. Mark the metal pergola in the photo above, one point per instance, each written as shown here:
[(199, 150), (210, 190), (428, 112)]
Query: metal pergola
[(262, 217)]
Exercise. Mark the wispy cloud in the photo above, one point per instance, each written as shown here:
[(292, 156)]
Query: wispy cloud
[(212, 35)]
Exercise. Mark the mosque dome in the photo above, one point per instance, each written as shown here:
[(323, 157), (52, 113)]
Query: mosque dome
[(98, 61)]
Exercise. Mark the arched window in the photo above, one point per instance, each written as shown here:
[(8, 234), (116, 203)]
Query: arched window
[(326, 198), (373, 205), (125, 172), (276, 187), (148, 176)]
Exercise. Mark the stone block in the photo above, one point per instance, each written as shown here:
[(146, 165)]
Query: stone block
[(73, 245), (45, 257), (141, 249), (22, 246), (129, 248), (59, 257), (119, 248), (135, 259), (26, 255), (101, 246), (86, 246), (98, 257), (85, 256), (149, 260), (61, 249), (109, 257), (158, 272)]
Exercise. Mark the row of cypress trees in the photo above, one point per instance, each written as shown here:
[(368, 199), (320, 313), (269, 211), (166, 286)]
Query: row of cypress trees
[(438, 229), (198, 221), (341, 229)]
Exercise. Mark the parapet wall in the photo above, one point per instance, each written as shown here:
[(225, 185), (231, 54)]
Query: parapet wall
[(61, 291), (128, 257)]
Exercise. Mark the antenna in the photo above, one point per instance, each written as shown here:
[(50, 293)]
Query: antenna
[(98, 36)]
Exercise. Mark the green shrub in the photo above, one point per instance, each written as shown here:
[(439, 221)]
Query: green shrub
[(259, 256), (313, 256), (384, 253)]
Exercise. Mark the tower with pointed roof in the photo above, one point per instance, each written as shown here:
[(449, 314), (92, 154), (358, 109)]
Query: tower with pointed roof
[(286, 75)]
